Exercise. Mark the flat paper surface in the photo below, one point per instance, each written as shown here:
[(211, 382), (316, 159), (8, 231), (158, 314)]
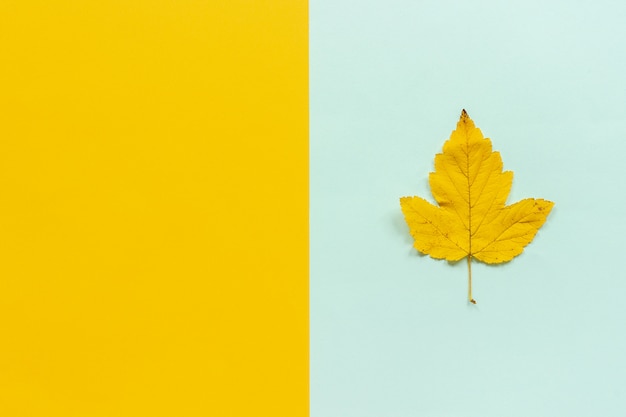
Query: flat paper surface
[(392, 333), (153, 252)]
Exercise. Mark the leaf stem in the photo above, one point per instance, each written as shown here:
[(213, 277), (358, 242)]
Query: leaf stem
[(469, 275)]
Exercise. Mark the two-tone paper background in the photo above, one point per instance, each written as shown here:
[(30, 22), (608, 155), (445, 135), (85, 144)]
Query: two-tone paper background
[(154, 208)]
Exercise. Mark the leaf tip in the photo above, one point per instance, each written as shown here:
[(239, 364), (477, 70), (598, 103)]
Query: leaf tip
[(464, 115)]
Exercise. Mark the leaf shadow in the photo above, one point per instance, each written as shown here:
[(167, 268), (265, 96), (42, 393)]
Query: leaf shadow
[(400, 226), (402, 229), (476, 261)]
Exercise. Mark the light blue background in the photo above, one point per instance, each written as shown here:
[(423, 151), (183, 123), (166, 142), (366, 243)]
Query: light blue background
[(391, 332)]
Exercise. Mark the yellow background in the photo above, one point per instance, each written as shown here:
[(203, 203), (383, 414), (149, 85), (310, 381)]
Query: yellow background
[(153, 208)]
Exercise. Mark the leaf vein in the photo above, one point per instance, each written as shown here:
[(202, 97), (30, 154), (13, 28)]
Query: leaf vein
[(497, 238)]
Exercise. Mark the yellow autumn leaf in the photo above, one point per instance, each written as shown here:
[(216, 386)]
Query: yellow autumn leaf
[(472, 220)]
